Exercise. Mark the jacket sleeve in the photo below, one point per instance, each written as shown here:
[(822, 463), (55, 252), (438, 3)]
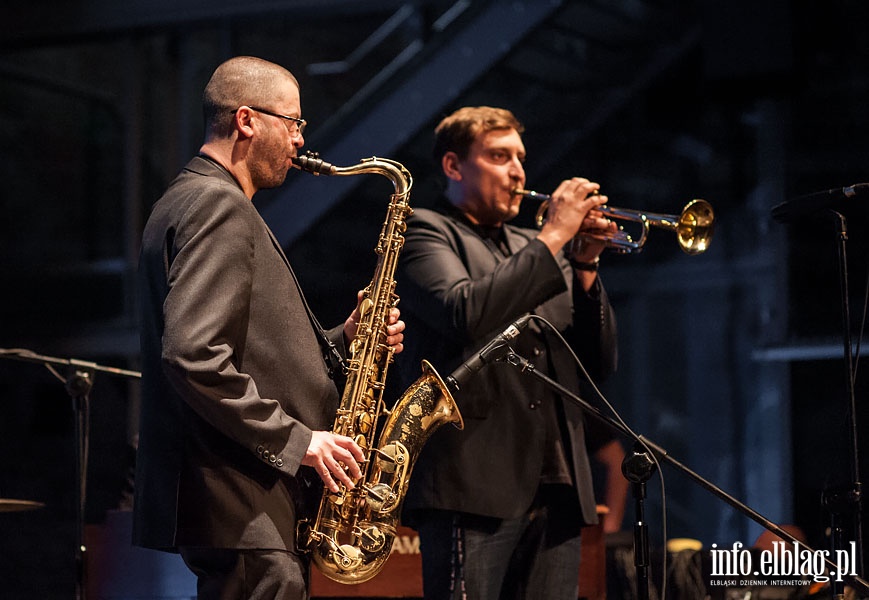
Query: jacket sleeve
[(209, 263), (594, 319)]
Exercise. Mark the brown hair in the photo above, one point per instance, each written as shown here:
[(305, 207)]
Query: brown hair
[(243, 80), (456, 132)]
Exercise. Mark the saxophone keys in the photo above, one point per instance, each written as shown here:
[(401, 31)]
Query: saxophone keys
[(364, 422), (392, 456), (371, 538), (365, 307), (381, 497), (347, 557)]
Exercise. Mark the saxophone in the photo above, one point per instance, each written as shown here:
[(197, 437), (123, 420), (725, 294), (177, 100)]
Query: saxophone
[(352, 534)]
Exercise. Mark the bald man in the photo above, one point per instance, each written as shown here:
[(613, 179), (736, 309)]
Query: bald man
[(238, 393)]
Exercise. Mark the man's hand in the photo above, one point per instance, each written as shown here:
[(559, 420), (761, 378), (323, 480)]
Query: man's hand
[(593, 232), (394, 325), (395, 331), (570, 206), (334, 457)]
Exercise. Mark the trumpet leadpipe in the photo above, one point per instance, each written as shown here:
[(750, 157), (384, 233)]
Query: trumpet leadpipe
[(541, 196)]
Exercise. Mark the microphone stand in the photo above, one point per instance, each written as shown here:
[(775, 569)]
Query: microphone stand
[(846, 502), (841, 502), (78, 383), (639, 469)]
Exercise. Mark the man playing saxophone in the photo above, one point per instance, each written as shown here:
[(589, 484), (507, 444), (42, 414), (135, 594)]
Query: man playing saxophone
[(237, 389), (499, 506)]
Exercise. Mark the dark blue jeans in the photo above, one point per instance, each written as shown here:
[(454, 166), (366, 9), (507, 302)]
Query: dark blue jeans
[(482, 558)]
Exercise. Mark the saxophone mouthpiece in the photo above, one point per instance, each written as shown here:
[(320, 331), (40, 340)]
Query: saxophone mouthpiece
[(312, 163)]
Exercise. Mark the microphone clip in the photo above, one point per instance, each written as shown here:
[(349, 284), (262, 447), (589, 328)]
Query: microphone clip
[(523, 364)]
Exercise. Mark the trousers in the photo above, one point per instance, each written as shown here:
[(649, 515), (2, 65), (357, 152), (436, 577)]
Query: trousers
[(472, 557), (229, 574)]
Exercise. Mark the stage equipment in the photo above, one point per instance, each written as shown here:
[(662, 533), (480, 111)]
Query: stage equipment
[(811, 204), (693, 227), (353, 532), (844, 503), (78, 380), (641, 464)]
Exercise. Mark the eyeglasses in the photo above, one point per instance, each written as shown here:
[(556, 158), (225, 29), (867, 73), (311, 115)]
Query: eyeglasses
[(300, 123)]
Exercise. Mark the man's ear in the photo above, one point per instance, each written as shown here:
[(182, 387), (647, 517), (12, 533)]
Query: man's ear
[(452, 166), (242, 121)]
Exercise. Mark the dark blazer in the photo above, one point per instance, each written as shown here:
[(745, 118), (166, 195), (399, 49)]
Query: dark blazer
[(457, 292), (233, 377)]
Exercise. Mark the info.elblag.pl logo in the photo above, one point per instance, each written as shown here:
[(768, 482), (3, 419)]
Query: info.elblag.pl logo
[(783, 560)]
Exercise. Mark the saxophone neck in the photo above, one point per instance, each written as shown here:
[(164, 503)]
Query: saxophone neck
[(401, 178)]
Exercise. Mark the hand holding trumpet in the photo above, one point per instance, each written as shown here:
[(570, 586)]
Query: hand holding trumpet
[(573, 210)]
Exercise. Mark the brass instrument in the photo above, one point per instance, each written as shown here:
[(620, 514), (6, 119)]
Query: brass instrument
[(352, 534), (693, 227)]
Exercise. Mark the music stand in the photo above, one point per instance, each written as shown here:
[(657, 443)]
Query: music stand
[(78, 383)]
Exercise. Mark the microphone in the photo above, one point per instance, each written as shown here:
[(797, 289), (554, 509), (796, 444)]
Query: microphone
[(495, 350), (811, 203)]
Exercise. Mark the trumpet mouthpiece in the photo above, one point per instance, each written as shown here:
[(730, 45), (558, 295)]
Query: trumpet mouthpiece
[(531, 194)]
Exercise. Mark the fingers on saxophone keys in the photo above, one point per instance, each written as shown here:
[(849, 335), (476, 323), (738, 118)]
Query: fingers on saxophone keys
[(396, 343), (395, 336), (326, 477), (339, 472), (395, 333)]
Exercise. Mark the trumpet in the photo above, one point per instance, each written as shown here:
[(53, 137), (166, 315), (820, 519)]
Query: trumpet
[(693, 226)]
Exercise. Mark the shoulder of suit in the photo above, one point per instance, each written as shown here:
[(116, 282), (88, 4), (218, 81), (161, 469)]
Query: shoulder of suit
[(198, 168), (432, 219), (203, 190), (206, 176), (427, 214)]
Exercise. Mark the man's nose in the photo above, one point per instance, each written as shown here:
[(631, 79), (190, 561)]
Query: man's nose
[(516, 168)]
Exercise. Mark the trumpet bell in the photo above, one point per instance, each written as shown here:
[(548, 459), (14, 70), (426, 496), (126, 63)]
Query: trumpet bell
[(696, 227)]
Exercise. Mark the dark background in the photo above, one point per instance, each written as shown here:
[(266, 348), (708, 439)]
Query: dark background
[(731, 360)]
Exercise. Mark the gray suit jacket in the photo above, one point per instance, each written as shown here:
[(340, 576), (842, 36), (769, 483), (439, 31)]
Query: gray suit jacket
[(233, 376), (457, 292)]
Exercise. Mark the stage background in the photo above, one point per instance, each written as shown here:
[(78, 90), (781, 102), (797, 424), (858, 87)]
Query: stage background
[(731, 360)]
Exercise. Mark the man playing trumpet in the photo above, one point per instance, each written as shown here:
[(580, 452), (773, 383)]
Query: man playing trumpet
[(500, 505)]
